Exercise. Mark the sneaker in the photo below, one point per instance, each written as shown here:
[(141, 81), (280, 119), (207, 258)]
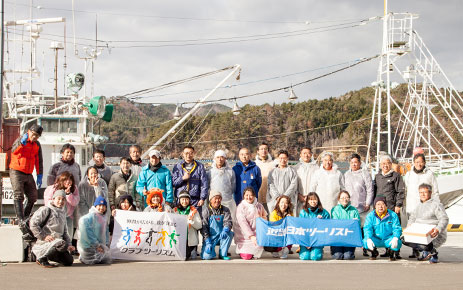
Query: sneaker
[(225, 258), (374, 254), (434, 259), (284, 253), (425, 256), (275, 254), (44, 263), (365, 253)]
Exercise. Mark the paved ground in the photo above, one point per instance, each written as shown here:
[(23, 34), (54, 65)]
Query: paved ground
[(265, 273)]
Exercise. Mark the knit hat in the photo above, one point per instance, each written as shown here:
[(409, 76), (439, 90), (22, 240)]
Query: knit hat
[(59, 192), (214, 193), (151, 193), (379, 198), (220, 153), (184, 193), (100, 200)]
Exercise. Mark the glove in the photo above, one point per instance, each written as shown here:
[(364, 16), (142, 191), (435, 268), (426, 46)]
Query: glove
[(224, 233), (394, 243), (39, 180), (208, 248), (370, 244), (24, 139)]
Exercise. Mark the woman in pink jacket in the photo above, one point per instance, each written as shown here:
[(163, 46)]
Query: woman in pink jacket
[(245, 227), (66, 182)]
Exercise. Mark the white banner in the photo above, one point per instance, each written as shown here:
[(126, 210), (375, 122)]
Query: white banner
[(149, 236)]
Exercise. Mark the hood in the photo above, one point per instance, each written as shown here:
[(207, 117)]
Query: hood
[(269, 158), (334, 168), (250, 164), (224, 166), (152, 192)]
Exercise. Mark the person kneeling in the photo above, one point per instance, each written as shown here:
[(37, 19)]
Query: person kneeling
[(216, 228), (382, 230), (93, 244), (48, 224), (432, 212)]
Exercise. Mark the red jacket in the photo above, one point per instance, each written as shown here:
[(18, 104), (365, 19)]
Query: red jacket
[(25, 157)]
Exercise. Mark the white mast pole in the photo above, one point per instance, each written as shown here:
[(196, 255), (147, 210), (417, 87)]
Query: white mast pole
[(194, 109)]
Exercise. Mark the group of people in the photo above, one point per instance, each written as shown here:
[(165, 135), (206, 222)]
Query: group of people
[(223, 202)]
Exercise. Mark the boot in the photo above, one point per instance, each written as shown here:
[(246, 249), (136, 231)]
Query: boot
[(386, 254), (392, 256), (28, 209), (19, 209), (397, 255), (374, 254)]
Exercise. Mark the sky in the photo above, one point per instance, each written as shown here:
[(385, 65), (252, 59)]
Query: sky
[(144, 44)]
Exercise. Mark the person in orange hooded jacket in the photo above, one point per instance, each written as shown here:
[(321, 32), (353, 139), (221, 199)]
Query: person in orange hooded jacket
[(26, 154)]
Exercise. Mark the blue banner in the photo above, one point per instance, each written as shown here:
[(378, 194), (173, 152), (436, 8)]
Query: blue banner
[(309, 232)]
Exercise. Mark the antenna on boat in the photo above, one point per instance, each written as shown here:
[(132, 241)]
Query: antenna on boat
[(438, 131)]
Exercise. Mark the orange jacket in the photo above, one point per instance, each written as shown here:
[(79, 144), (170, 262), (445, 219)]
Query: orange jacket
[(25, 157)]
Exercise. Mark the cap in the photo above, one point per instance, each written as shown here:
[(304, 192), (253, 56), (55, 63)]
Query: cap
[(36, 129), (100, 200), (155, 153), (214, 193), (220, 153)]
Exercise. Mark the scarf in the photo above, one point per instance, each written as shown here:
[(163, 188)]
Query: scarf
[(381, 216), (156, 167), (99, 166), (136, 162), (68, 162), (126, 176)]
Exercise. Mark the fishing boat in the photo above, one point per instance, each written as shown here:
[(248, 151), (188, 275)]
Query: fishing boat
[(430, 116), (66, 118)]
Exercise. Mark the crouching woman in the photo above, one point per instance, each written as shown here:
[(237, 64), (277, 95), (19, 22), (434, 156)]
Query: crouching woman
[(48, 224), (93, 245)]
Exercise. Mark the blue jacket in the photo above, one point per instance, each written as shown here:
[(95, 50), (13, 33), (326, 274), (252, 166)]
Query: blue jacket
[(93, 229), (197, 186), (384, 228), (246, 176), (313, 214), (161, 179)]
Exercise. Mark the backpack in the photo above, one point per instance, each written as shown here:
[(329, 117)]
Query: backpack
[(29, 238), (24, 226)]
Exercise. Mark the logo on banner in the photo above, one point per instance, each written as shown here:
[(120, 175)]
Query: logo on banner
[(149, 236)]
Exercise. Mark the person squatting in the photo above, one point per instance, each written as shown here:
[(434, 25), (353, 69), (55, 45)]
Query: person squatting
[(222, 203)]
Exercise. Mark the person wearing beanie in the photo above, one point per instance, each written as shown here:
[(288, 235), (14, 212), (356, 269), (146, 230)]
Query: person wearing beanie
[(216, 228), (222, 178), (93, 244), (382, 230), (155, 175), (26, 154), (48, 224), (155, 202), (194, 223)]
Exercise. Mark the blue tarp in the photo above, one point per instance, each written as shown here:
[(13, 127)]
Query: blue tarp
[(309, 232)]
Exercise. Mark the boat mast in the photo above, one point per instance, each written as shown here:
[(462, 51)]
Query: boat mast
[(192, 111)]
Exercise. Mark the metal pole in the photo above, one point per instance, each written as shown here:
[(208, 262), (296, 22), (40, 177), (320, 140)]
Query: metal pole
[(56, 78), (1, 98), (194, 109)]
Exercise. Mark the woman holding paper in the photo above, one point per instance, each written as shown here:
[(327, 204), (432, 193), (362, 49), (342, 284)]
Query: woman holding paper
[(283, 208), (245, 229), (344, 211), (312, 209)]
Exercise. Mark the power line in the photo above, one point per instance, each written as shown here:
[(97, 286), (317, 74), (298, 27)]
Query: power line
[(305, 22), (247, 83), (283, 88), (279, 134)]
